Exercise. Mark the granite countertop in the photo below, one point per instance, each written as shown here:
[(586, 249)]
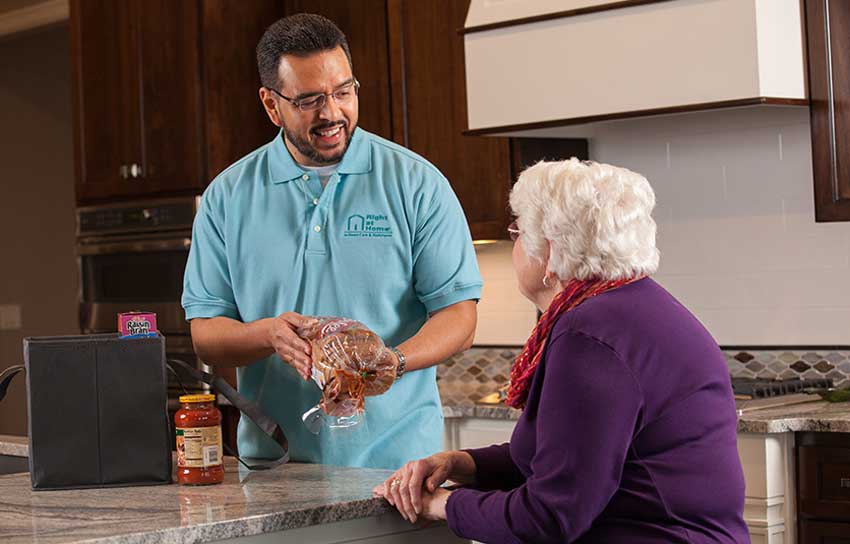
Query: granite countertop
[(484, 411), (247, 503), (812, 416), (16, 446), (821, 416)]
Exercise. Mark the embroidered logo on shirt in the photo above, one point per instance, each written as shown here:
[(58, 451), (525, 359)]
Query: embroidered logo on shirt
[(368, 226)]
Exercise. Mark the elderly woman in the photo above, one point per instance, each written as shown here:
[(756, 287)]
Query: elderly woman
[(628, 430)]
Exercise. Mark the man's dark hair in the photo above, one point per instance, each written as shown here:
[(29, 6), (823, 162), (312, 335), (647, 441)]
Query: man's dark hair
[(301, 35)]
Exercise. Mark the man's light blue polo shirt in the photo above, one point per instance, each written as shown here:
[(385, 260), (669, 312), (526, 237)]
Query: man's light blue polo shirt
[(385, 243)]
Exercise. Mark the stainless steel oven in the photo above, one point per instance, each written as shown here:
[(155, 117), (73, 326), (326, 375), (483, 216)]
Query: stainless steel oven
[(132, 257)]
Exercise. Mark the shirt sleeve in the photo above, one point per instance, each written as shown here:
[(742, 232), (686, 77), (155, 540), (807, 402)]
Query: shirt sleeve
[(494, 468), (445, 270), (586, 416), (207, 287)]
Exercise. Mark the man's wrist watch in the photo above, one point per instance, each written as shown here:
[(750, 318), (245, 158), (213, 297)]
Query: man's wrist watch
[(402, 362)]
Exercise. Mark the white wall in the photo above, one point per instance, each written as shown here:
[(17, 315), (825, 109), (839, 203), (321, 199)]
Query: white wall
[(738, 239)]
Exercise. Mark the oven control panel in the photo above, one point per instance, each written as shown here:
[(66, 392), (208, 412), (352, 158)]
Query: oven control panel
[(172, 214)]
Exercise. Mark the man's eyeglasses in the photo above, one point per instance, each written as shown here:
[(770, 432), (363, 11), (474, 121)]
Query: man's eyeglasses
[(513, 231), (313, 102)]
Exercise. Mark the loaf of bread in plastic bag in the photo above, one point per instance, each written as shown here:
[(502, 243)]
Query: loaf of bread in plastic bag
[(350, 362)]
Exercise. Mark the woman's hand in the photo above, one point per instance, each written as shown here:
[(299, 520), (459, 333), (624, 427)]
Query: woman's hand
[(404, 489), (434, 504)]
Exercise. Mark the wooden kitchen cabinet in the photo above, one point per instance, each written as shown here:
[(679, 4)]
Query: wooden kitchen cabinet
[(824, 532), (165, 93), (436, 112), (409, 59), (828, 25), (823, 487), (364, 23)]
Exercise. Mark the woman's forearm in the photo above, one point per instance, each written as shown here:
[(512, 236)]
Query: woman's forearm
[(463, 468)]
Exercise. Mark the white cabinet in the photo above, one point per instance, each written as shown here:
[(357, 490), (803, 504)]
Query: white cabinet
[(770, 503), (470, 432), (653, 57)]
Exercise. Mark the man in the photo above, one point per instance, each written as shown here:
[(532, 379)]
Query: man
[(329, 220)]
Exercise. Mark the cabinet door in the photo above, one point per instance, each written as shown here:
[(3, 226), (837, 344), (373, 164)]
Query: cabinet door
[(170, 155), (436, 115), (822, 532), (364, 23), (823, 480), (234, 120), (828, 25), (105, 82)]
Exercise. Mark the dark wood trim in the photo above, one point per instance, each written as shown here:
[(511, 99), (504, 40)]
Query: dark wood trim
[(558, 15), (826, 64), (528, 151), (398, 77), (759, 100)]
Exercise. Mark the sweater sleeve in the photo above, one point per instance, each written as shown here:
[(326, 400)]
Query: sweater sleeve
[(588, 408), (494, 468)]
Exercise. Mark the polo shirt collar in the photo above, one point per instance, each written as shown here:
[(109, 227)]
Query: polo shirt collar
[(357, 158)]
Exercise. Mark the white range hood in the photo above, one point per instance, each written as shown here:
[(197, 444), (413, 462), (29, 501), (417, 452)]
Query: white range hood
[(538, 64)]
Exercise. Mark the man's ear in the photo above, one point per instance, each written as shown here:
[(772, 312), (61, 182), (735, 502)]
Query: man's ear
[(270, 105)]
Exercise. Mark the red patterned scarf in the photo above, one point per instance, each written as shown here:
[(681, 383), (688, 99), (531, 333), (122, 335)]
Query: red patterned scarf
[(575, 292)]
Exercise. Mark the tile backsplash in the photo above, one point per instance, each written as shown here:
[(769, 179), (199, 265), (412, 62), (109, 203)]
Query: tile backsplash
[(477, 372), (739, 244), (505, 316), (790, 364)]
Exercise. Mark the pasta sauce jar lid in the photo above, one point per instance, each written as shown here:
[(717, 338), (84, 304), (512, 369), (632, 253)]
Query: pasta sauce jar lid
[(196, 398)]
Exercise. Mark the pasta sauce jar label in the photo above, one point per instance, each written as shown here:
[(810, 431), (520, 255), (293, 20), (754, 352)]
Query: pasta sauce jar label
[(198, 447)]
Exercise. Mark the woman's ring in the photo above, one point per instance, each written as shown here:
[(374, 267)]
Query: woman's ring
[(395, 482)]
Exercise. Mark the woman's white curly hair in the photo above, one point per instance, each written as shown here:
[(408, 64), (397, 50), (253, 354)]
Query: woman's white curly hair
[(596, 217)]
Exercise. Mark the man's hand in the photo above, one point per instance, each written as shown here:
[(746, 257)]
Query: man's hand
[(293, 349)]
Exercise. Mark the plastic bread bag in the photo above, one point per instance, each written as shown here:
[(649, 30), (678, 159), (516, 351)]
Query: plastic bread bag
[(350, 362)]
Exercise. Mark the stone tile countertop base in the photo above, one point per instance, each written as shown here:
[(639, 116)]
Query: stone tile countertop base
[(286, 497)]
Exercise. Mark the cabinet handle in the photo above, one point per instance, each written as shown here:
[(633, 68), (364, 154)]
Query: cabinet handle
[(135, 170), (123, 171)]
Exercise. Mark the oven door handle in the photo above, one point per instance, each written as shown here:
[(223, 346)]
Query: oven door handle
[(135, 246)]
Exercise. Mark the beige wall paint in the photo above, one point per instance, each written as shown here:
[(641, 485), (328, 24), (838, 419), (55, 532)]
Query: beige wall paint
[(37, 264)]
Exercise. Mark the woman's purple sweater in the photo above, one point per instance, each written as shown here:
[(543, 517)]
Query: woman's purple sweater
[(628, 435)]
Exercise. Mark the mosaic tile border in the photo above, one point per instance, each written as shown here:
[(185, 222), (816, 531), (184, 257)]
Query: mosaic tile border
[(479, 371), (790, 364)]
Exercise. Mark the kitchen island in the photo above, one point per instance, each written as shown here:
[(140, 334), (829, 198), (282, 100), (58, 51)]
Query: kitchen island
[(292, 503)]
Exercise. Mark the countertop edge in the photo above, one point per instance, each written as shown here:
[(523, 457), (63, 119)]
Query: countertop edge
[(254, 525)]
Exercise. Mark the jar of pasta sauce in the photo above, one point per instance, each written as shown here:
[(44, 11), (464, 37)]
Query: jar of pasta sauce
[(199, 458)]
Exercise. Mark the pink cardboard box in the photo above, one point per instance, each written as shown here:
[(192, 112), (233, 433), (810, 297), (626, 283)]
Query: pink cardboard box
[(136, 324)]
